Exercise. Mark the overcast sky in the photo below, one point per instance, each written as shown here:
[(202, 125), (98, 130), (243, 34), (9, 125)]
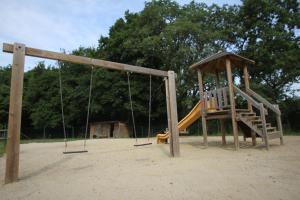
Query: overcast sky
[(63, 24)]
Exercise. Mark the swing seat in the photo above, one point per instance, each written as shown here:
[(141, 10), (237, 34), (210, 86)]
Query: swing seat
[(144, 144), (70, 152)]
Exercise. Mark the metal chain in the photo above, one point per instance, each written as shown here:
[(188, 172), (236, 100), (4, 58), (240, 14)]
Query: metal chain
[(88, 108), (132, 115), (62, 107), (149, 113)]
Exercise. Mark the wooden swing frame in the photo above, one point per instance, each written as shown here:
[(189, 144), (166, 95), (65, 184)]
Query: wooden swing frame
[(19, 52)]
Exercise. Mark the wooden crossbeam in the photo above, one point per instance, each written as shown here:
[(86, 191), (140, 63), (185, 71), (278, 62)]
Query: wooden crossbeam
[(8, 48)]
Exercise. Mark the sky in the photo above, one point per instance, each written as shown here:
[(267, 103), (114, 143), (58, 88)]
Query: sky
[(63, 24)]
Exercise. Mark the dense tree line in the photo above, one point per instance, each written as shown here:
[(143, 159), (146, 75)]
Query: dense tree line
[(167, 36)]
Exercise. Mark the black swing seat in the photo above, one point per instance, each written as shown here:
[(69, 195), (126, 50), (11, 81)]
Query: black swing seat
[(144, 144), (70, 152)]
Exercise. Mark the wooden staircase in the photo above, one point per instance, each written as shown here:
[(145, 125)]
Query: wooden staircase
[(257, 122)]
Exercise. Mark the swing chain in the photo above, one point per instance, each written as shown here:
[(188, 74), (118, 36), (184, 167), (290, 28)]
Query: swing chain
[(62, 106), (131, 107), (88, 108)]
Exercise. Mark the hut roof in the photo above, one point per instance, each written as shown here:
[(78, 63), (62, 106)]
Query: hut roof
[(217, 62)]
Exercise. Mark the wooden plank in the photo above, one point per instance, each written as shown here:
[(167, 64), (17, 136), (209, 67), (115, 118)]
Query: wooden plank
[(225, 97), (247, 83), (214, 92), (247, 97), (224, 116), (174, 139), (247, 87), (221, 121), (203, 105), (168, 104), (86, 61), (274, 135), (232, 104), (264, 125), (15, 112), (279, 125), (219, 94), (220, 101), (264, 101)]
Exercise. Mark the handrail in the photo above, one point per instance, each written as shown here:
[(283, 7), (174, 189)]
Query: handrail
[(264, 101), (246, 96)]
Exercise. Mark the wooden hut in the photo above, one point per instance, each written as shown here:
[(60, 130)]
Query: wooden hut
[(108, 129), (220, 102)]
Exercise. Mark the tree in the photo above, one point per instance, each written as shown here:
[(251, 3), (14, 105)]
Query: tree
[(4, 94), (267, 35)]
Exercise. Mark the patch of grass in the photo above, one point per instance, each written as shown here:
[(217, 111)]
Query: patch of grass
[(2, 142), (27, 141), (290, 132), (2, 147)]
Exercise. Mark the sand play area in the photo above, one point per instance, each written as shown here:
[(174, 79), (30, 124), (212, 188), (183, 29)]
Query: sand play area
[(114, 169)]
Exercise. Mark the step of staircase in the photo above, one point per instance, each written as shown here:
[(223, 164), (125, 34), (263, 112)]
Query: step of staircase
[(242, 110), (267, 124), (273, 135), (252, 117), (256, 121), (247, 114), (271, 129)]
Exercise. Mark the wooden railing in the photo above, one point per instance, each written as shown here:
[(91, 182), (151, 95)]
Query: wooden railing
[(216, 99), (266, 103), (247, 97)]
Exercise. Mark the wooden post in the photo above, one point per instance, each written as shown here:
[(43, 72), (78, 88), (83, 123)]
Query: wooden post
[(279, 124), (15, 110), (168, 104), (221, 120), (174, 136), (203, 112), (247, 86), (232, 104), (264, 125)]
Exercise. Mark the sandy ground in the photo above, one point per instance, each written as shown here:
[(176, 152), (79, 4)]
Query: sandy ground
[(114, 169)]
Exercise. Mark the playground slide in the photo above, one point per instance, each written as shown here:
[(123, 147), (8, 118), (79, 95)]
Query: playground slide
[(190, 118)]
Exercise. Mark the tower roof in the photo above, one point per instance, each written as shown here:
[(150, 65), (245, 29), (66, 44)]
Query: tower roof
[(217, 62)]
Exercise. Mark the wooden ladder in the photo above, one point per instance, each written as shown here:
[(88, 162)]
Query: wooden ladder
[(258, 124)]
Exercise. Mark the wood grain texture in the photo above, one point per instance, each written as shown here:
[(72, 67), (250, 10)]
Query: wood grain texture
[(203, 105), (264, 125), (168, 104), (279, 125), (174, 139), (15, 111), (232, 104), (86, 61)]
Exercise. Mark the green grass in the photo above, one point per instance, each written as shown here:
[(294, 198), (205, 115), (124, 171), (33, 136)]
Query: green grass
[(2, 142), (2, 147), (288, 132)]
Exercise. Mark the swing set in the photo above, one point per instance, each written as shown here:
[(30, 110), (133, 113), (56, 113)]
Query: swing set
[(19, 52), (88, 113)]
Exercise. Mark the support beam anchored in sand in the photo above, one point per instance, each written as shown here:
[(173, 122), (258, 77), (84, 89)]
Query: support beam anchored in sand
[(15, 110)]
